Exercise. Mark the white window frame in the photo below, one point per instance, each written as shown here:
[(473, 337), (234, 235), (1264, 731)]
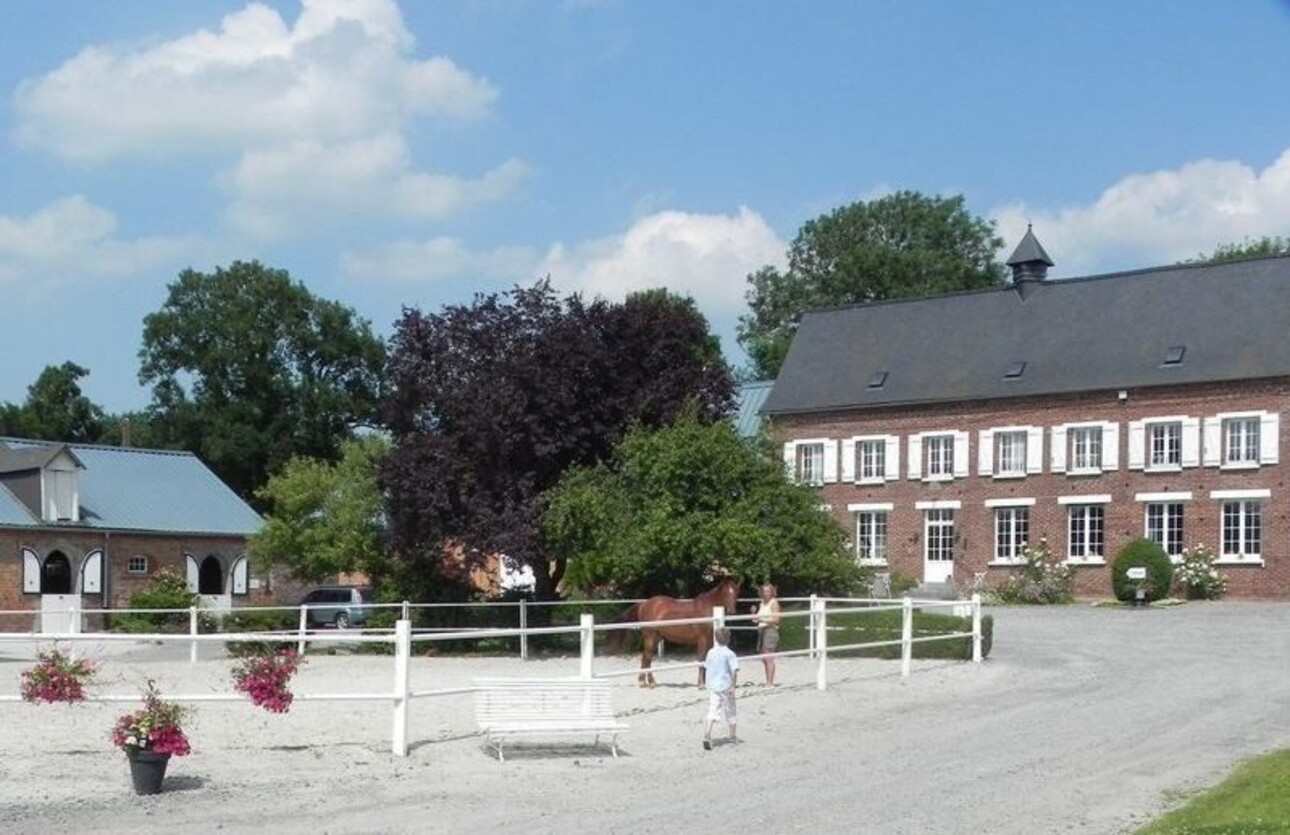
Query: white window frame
[(1086, 526), (1014, 520), (136, 565), (878, 538), (886, 452), (1010, 454), (1086, 449), (1166, 540), (939, 461), (917, 464), (829, 462), (1142, 443), (1245, 554), (942, 520), (1164, 445), (1028, 460), (1217, 440), (1063, 447)]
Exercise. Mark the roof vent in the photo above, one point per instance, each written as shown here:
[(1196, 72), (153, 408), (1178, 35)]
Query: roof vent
[(878, 380), (1015, 371), (1029, 262), (1174, 356)]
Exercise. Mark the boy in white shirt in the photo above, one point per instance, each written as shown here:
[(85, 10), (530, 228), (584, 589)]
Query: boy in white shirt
[(721, 667)]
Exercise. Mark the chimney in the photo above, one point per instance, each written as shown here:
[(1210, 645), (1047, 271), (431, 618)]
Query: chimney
[(1029, 262)]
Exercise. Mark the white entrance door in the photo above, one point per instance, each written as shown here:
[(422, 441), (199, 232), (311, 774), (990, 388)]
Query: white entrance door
[(938, 545), (56, 612), (216, 602)]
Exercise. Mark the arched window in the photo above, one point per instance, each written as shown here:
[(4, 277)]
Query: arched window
[(56, 574), (210, 577)]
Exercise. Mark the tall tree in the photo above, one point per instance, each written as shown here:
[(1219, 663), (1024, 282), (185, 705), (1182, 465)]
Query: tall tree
[(325, 518), (903, 245), (491, 403), (56, 409), (680, 501), (249, 368)]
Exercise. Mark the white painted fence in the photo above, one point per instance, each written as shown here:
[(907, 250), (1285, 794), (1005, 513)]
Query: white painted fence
[(402, 638)]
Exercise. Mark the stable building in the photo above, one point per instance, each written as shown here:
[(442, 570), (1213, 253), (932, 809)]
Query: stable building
[(87, 526), (946, 433)]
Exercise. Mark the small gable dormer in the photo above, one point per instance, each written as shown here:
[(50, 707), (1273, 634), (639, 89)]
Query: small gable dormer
[(45, 478)]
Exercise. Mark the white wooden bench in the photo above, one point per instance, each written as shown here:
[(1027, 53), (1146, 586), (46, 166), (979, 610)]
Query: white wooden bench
[(510, 708)]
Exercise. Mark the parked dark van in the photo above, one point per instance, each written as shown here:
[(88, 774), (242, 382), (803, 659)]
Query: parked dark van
[(338, 606)]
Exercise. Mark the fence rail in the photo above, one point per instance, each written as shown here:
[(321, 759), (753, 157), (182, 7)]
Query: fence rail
[(403, 637)]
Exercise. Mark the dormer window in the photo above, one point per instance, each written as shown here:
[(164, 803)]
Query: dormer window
[(59, 489)]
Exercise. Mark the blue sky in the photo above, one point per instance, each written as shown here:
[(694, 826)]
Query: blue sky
[(414, 153)]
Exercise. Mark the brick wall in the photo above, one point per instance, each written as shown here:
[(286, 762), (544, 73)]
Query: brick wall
[(1124, 515)]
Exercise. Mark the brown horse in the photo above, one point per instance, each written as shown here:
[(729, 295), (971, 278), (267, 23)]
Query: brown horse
[(698, 635)]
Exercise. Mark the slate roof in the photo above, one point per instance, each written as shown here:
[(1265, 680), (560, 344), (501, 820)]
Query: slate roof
[(19, 460), (750, 398), (129, 489), (1074, 335)]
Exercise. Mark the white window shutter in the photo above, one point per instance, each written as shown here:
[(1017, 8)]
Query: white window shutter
[(961, 467), (1110, 446), (1212, 442), (790, 460), (239, 575), (1269, 438), (892, 459), (848, 460), (1137, 444), (1035, 449), (92, 572), (1191, 442), (30, 572), (191, 565), (830, 461), (1058, 463), (985, 452), (915, 456)]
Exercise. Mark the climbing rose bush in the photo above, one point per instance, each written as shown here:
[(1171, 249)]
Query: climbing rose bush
[(57, 678), (1197, 576), (266, 678)]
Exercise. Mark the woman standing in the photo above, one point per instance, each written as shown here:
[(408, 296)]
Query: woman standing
[(768, 614)]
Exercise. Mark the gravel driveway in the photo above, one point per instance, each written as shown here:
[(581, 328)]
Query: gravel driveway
[(1084, 719)]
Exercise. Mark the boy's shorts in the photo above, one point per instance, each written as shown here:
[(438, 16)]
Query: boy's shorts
[(721, 705)]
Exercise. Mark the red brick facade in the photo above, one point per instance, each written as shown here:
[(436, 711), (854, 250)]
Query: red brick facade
[(1123, 493)]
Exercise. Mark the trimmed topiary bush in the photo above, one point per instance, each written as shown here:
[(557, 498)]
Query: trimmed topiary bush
[(1145, 554)]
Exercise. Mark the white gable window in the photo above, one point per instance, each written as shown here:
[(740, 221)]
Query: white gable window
[(812, 461), (1164, 444), (871, 459), (58, 484), (1242, 440), (1010, 451), (1089, 448), (938, 456)]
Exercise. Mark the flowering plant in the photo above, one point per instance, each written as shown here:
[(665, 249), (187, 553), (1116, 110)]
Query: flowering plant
[(265, 678), (1042, 578), (57, 678), (1198, 576), (157, 726)]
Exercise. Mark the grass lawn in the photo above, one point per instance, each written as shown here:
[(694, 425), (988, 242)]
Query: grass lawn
[(1254, 799)]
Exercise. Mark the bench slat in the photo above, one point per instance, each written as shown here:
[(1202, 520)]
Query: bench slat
[(507, 708)]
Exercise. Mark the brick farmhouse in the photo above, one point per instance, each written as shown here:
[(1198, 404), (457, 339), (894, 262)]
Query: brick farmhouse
[(86, 526), (946, 433)]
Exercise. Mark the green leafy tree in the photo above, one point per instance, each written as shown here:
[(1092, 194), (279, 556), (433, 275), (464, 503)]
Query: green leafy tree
[(56, 409), (904, 245), (325, 518), (680, 501), (249, 369), (1249, 248)]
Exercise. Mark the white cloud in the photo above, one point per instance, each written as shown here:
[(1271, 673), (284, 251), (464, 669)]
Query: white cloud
[(72, 239), (343, 71), (1159, 218), (706, 256)]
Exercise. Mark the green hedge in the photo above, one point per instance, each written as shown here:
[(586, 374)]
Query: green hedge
[(1142, 553)]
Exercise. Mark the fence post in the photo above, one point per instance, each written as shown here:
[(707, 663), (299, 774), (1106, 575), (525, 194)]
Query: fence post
[(587, 623), (906, 635), (810, 633), (407, 611), (718, 618), (73, 627), (976, 628), (304, 623), (524, 626), (402, 654), (820, 620), (192, 630)]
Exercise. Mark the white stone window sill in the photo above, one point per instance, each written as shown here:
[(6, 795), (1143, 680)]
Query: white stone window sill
[(871, 482), (1164, 468), (1240, 465), (1086, 561), (1256, 561), (932, 478), (1085, 471), (1006, 563), (1003, 476), (873, 563)]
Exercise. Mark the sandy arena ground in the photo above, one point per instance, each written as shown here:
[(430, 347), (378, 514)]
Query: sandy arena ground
[(1084, 719)]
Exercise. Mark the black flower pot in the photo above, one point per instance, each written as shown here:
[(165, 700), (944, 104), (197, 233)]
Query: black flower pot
[(147, 769)]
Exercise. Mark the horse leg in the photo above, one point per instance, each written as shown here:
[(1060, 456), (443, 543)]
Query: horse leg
[(649, 639)]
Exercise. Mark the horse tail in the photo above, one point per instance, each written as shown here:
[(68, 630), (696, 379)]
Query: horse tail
[(614, 643)]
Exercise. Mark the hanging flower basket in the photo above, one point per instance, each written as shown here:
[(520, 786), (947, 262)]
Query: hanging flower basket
[(57, 678), (266, 678)]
